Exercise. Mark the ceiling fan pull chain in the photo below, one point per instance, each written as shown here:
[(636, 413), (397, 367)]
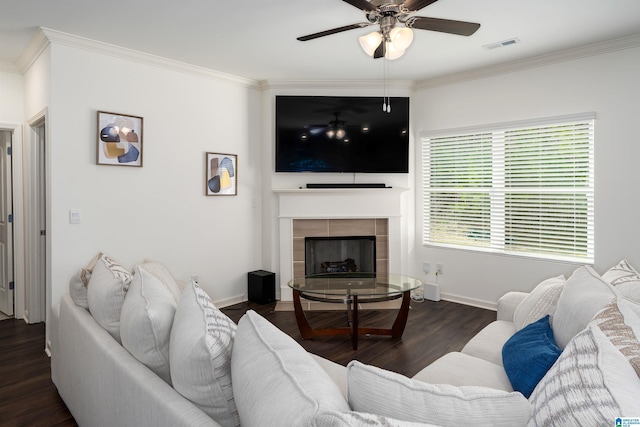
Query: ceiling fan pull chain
[(384, 83)]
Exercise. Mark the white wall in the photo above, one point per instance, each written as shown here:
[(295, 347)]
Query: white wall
[(273, 181), (12, 105), (606, 84), (159, 211)]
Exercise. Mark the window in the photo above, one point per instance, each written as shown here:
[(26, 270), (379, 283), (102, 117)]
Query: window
[(523, 188)]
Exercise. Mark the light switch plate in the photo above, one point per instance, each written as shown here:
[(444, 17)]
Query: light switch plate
[(74, 216)]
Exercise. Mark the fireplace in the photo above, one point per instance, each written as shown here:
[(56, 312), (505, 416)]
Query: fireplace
[(340, 212), (346, 237), (340, 254)]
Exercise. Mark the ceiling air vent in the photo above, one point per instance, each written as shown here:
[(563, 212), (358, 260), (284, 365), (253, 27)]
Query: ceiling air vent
[(502, 43)]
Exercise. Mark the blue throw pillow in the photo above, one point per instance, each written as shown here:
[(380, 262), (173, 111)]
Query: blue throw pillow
[(529, 354)]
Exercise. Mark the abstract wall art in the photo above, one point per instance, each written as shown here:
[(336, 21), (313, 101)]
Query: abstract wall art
[(221, 174), (119, 140)]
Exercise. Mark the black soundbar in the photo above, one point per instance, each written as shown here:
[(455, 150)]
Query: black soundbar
[(363, 185)]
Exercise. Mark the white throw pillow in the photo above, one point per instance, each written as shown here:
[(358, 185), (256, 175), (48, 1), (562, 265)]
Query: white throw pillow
[(275, 381), (79, 282), (360, 419), (542, 300), (593, 382), (583, 295), (106, 292), (146, 320), (626, 280), (200, 347), (162, 273), (389, 394)]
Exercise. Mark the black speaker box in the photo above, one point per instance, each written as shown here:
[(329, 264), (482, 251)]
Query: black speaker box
[(262, 286)]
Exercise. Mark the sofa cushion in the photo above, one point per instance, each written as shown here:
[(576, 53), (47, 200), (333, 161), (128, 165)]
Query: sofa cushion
[(146, 320), (200, 349), (162, 273), (508, 303), (625, 278), (584, 294), (337, 372), (593, 381), (460, 369), (389, 394), (106, 292), (79, 282), (360, 419), (487, 344), (528, 355), (542, 300), (275, 381)]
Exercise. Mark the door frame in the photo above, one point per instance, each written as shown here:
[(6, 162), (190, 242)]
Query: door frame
[(37, 278), (19, 265)]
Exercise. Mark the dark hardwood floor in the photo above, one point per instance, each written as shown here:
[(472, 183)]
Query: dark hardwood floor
[(29, 398), (27, 395), (433, 329)]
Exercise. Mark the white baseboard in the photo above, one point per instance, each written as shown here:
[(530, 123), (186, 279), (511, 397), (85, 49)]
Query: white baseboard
[(488, 305), (230, 301)]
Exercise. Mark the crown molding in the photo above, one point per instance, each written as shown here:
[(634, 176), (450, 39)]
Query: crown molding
[(336, 84), (36, 46), (47, 36), (629, 42)]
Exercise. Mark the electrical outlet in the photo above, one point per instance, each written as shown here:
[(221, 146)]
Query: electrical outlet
[(439, 268), (426, 267)]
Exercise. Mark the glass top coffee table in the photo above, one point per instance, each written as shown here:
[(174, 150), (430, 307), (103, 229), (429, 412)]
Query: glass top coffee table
[(353, 289)]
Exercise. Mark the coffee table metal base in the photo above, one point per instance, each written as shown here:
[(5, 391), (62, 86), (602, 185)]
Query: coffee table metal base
[(354, 328)]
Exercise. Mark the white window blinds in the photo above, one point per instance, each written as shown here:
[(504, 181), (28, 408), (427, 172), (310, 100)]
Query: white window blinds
[(521, 189)]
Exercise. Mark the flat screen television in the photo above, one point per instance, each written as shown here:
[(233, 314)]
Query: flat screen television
[(341, 134)]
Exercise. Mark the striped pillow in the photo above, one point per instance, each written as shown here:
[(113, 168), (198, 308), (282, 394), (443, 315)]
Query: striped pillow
[(107, 289), (595, 380), (200, 355)]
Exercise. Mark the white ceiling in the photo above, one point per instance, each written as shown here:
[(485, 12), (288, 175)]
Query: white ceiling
[(256, 39)]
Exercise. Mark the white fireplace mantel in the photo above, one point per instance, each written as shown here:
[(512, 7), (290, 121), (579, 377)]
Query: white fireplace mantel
[(344, 203)]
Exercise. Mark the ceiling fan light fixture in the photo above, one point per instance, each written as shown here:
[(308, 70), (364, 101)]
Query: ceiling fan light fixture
[(401, 37), (370, 42), (392, 52)]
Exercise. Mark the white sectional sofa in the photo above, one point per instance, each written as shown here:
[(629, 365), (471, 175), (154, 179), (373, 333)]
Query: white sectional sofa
[(171, 358)]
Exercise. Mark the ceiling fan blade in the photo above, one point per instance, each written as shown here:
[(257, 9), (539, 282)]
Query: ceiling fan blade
[(379, 52), (334, 31), (443, 25), (362, 4)]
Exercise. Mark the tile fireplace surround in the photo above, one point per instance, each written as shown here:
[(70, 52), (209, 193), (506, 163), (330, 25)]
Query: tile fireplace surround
[(340, 212)]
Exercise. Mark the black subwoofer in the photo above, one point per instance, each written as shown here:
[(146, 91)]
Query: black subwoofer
[(262, 286)]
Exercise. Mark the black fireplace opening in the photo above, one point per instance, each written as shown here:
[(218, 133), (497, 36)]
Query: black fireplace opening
[(354, 255)]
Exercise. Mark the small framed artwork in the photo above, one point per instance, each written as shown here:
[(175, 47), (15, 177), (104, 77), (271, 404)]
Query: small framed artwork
[(222, 174), (119, 139)]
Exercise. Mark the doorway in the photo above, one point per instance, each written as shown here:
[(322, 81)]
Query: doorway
[(6, 226)]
